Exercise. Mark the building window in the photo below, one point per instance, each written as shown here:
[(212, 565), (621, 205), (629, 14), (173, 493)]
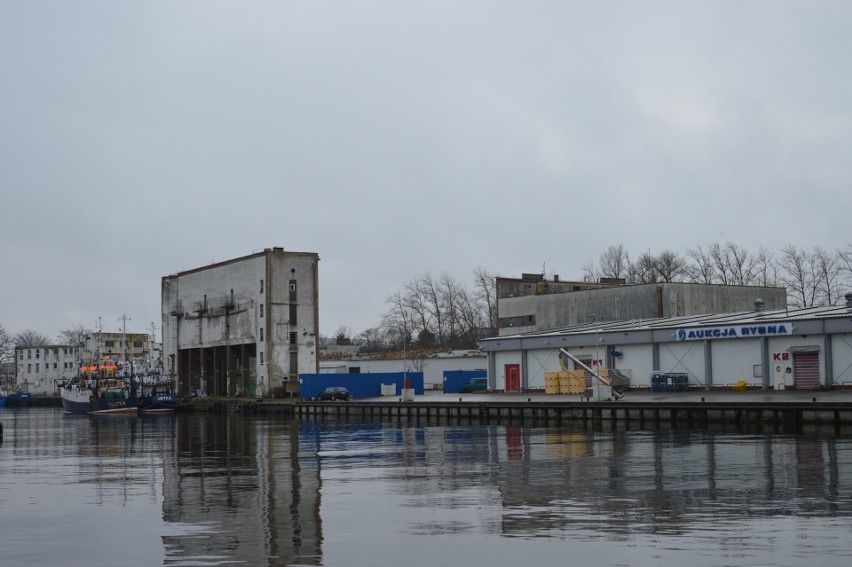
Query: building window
[(261, 358), (292, 338), (29, 355), (261, 309), (261, 333), (137, 344), (37, 367), (29, 368), (292, 290), (22, 355), (292, 314), (110, 344), (261, 286), (294, 363), (54, 366), (520, 321), (38, 353)]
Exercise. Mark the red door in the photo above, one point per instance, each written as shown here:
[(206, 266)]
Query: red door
[(513, 377)]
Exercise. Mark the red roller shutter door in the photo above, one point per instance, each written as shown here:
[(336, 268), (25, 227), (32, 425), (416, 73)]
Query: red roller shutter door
[(806, 370)]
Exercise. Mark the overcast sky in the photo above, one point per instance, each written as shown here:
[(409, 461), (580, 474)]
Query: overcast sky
[(138, 139)]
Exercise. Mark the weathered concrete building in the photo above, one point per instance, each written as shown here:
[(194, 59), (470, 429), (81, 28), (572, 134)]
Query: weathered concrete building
[(533, 305), (39, 368), (246, 326), (119, 346)]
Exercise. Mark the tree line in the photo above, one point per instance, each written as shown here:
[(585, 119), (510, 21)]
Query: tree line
[(812, 277), (429, 312), (433, 312)]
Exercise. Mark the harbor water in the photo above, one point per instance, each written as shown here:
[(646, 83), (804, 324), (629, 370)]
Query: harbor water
[(232, 489)]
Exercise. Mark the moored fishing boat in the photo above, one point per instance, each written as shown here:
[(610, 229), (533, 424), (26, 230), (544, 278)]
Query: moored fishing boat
[(157, 394), (2, 397), (99, 389), (18, 398)]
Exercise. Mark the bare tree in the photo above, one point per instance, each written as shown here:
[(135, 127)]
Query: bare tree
[(614, 262), (371, 338), (590, 272), (719, 263), (485, 293), (450, 297), (470, 318), (416, 301), (7, 346), (765, 268), (670, 267), (435, 306), (799, 274), (397, 324), (643, 270), (740, 264), (844, 260), (30, 338), (74, 336), (701, 270), (828, 270)]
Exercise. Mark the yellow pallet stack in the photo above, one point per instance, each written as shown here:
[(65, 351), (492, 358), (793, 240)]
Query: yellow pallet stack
[(572, 382), (564, 382), (551, 382)]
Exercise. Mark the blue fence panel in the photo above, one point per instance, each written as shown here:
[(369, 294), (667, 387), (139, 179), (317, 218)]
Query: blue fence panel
[(359, 385), (454, 380)]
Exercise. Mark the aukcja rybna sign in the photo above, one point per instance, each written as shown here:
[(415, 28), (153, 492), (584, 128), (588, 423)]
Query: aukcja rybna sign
[(736, 332)]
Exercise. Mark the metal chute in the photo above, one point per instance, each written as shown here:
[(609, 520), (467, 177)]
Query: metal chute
[(608, 384)]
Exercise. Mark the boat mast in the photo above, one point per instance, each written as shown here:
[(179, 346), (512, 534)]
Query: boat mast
[(123, 320)]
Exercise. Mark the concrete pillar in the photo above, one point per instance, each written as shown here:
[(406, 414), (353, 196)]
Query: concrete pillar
[(708, 365), (492, 370)]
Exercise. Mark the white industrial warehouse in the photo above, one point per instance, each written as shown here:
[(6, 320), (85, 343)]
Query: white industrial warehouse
[(808, 348)]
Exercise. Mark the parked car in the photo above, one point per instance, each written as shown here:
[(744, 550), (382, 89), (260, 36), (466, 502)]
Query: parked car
[(335, 393), (475, 385)]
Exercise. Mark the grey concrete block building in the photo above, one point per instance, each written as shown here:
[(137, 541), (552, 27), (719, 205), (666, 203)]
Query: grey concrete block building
[(247, 326)]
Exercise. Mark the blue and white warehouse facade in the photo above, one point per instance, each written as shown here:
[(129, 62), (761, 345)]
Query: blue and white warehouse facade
[(807, 348)]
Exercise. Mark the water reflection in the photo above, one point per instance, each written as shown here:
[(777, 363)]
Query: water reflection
[(229, 489)]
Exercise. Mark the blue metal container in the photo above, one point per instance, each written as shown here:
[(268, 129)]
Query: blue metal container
[(455, 380), (359, 385)]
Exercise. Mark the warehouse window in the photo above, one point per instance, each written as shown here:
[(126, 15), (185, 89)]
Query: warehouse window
[(519, 321), (292, 314), (261, 333), (261, 309), (294, 363), (261, 286), (292, 338)]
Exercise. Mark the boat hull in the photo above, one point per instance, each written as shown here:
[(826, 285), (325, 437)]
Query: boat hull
[(158, 404), (83, 401), (2, 401), (18, 400)]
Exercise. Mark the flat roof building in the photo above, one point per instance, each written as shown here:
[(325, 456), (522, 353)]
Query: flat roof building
[(806, 348), (534, 303)]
